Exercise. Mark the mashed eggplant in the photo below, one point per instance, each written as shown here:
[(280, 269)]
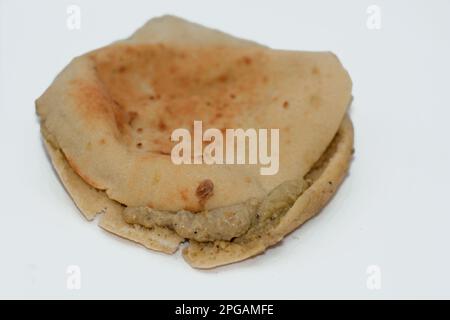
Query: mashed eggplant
[(223, 223)]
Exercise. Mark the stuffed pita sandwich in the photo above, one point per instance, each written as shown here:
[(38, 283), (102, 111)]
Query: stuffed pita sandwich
[(107, 121)]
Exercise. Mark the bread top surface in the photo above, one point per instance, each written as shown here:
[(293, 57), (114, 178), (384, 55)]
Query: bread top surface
[(112, 111)]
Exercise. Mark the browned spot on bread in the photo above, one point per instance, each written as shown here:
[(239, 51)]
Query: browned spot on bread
[(315, 71), (184, 195), (119, 119), (222, 78), (173, 69), (132, 115), (285, 104), (139, 130), (102, 141), (247, 60), (204, 191), (139, 145), (165, 153), (162, 125)]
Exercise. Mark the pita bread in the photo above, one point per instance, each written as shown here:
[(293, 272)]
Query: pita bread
[(107, 117)]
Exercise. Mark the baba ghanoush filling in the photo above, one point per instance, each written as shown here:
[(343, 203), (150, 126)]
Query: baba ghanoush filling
[(225, 223)]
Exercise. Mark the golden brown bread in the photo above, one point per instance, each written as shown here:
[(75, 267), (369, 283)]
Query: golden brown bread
[(107, 119), (111, 112)]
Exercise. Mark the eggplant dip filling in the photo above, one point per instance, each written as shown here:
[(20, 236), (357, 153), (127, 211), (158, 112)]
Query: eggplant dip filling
[(224, 223), (240, 222)]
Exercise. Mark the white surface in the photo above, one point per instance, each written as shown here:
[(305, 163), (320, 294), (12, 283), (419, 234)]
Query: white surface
[(392, 211)]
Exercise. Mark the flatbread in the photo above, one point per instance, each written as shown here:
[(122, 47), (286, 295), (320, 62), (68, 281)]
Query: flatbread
[(95, 115), (111, 112)]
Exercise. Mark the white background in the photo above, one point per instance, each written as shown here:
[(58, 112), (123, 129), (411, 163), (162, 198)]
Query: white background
[(393, 211)]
